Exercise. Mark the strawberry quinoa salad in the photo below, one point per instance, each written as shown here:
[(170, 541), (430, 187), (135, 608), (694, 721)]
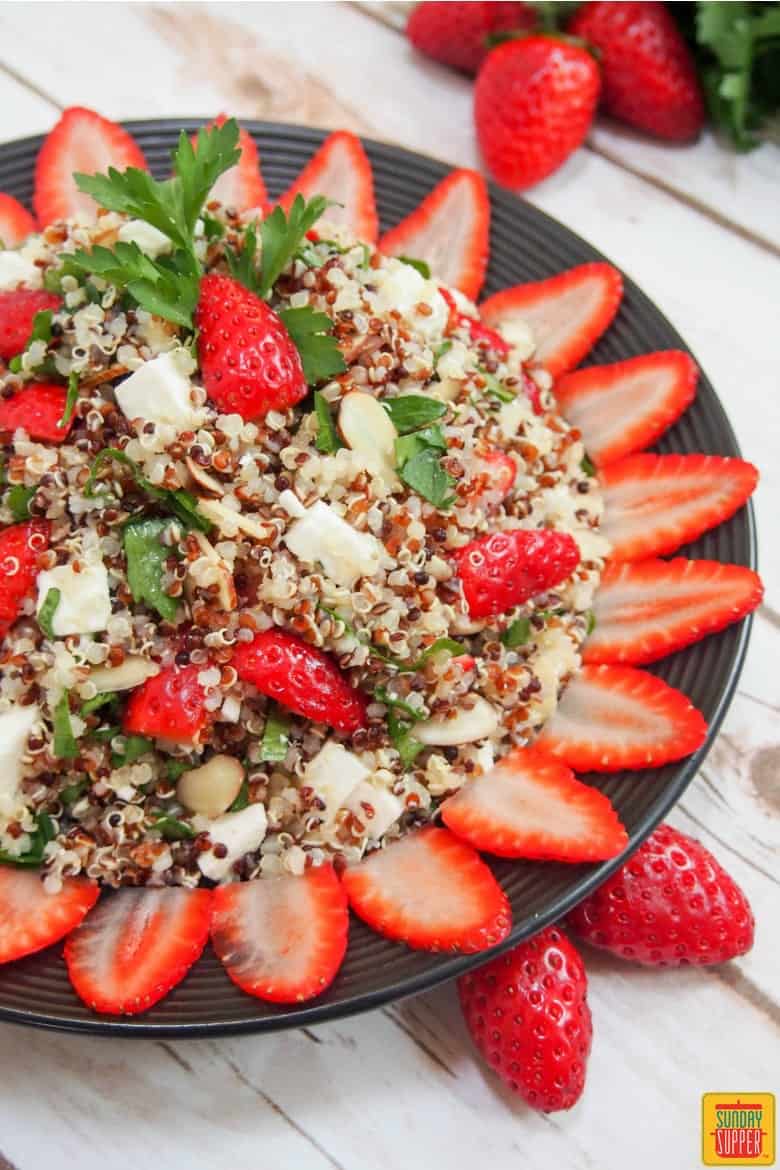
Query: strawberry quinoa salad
[(265, 626), (309, 595)]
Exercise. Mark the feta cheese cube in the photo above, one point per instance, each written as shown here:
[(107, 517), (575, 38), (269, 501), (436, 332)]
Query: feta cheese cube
[(15, 727), (159, 392), (322, 535), (334, 774), (240, 832), (85, 602), (151, 241), (403, 289), (387, 808), (17, 269)]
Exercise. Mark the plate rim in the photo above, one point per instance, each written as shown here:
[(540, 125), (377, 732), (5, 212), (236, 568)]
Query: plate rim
[(296, 1016)]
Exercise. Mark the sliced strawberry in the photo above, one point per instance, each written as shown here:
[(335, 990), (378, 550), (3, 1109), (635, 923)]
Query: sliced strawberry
[(81, 141), (646, 610), (16, 223), (168, 706), (495, 476), (37, 410), (625, 407), (20, 547), (242, 187), (340, 170), (653, 504), (31, 919), (282, 939), (301, 677), (567, 313), (485, 337), (449, 230), (615, 717), (529, 805), (430, 891), (136, 946), (17, 312), (505, 569)]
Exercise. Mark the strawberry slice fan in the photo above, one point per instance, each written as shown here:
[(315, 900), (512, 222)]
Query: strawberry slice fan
[(283, 939)]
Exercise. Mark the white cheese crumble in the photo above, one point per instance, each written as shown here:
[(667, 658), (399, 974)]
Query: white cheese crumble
[(17, 269), (345, 554), (159, 392), (15, 728), (240, 832), (334, 774), (85, 602), (151, 241)]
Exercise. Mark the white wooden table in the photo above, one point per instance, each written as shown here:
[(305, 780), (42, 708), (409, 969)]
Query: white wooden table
[(398, 1089)]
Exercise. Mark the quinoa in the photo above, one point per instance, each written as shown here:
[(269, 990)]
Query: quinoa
[(113, 807)]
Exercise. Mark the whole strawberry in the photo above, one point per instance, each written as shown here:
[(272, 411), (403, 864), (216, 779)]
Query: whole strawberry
[(670, 905), (248, 360), (528, 1015), (458, 33), (648, 76), (533, 105)]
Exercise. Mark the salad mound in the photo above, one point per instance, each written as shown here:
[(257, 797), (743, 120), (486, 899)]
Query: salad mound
[(293, 545)]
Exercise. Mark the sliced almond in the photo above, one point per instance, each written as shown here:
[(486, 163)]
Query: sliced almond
[(230, 522), (220, 575), (446, 389), (203, 478), (131, 673), (465, 726), (366, 428), (212, 788)]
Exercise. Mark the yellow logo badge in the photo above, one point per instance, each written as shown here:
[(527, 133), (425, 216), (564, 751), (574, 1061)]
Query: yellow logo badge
[(738, 1129)]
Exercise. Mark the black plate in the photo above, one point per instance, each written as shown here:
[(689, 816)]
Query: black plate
[(526, 245)]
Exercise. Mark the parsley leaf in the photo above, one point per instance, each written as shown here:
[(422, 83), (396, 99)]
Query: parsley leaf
[(47, 611), (422, 266), (494, 387), (273, 747), (173, 205), (517, 634), (18, 499), (213, 229), (586, 465), (424, 474), (146, 557), (409, 412), (281, 235), (98, 701), (590, 627), (41, 331), (168, 287), (402, 667), (71, 399), (437, 647), (242, 800), (176, 768), (73, 792), (181, 503), (243, 264), (135, 747), (382, 695), (39, 839), (312, 334), (327, 439), (65, 746), (403, 741)]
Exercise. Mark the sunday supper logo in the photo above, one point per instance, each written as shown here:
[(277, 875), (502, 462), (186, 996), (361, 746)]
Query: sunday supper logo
[(738, 1129)]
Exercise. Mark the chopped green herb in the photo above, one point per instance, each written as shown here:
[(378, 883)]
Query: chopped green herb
[(382, 695), (19, 499), (71, 399), (47, 611), (94, 704), (242, 800), (106, 734), (421, 266), (73, 792), (172, 829), (440, 351), (273, 747), (282, 234), (424, 474), (135, 747), (590, 627), (65, 746), (409, 412), (312, 334), (438, 647), (44, 832), (403, 741), (181, 503), (146, 559), (15, 364), (494, 387), (41, 331), (517, 634), (587, 466), (176, 768), (213, 229), (327, 439)]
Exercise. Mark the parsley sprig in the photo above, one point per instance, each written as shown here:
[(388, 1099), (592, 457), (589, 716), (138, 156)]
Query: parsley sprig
[(182, 504), (169, 285)]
